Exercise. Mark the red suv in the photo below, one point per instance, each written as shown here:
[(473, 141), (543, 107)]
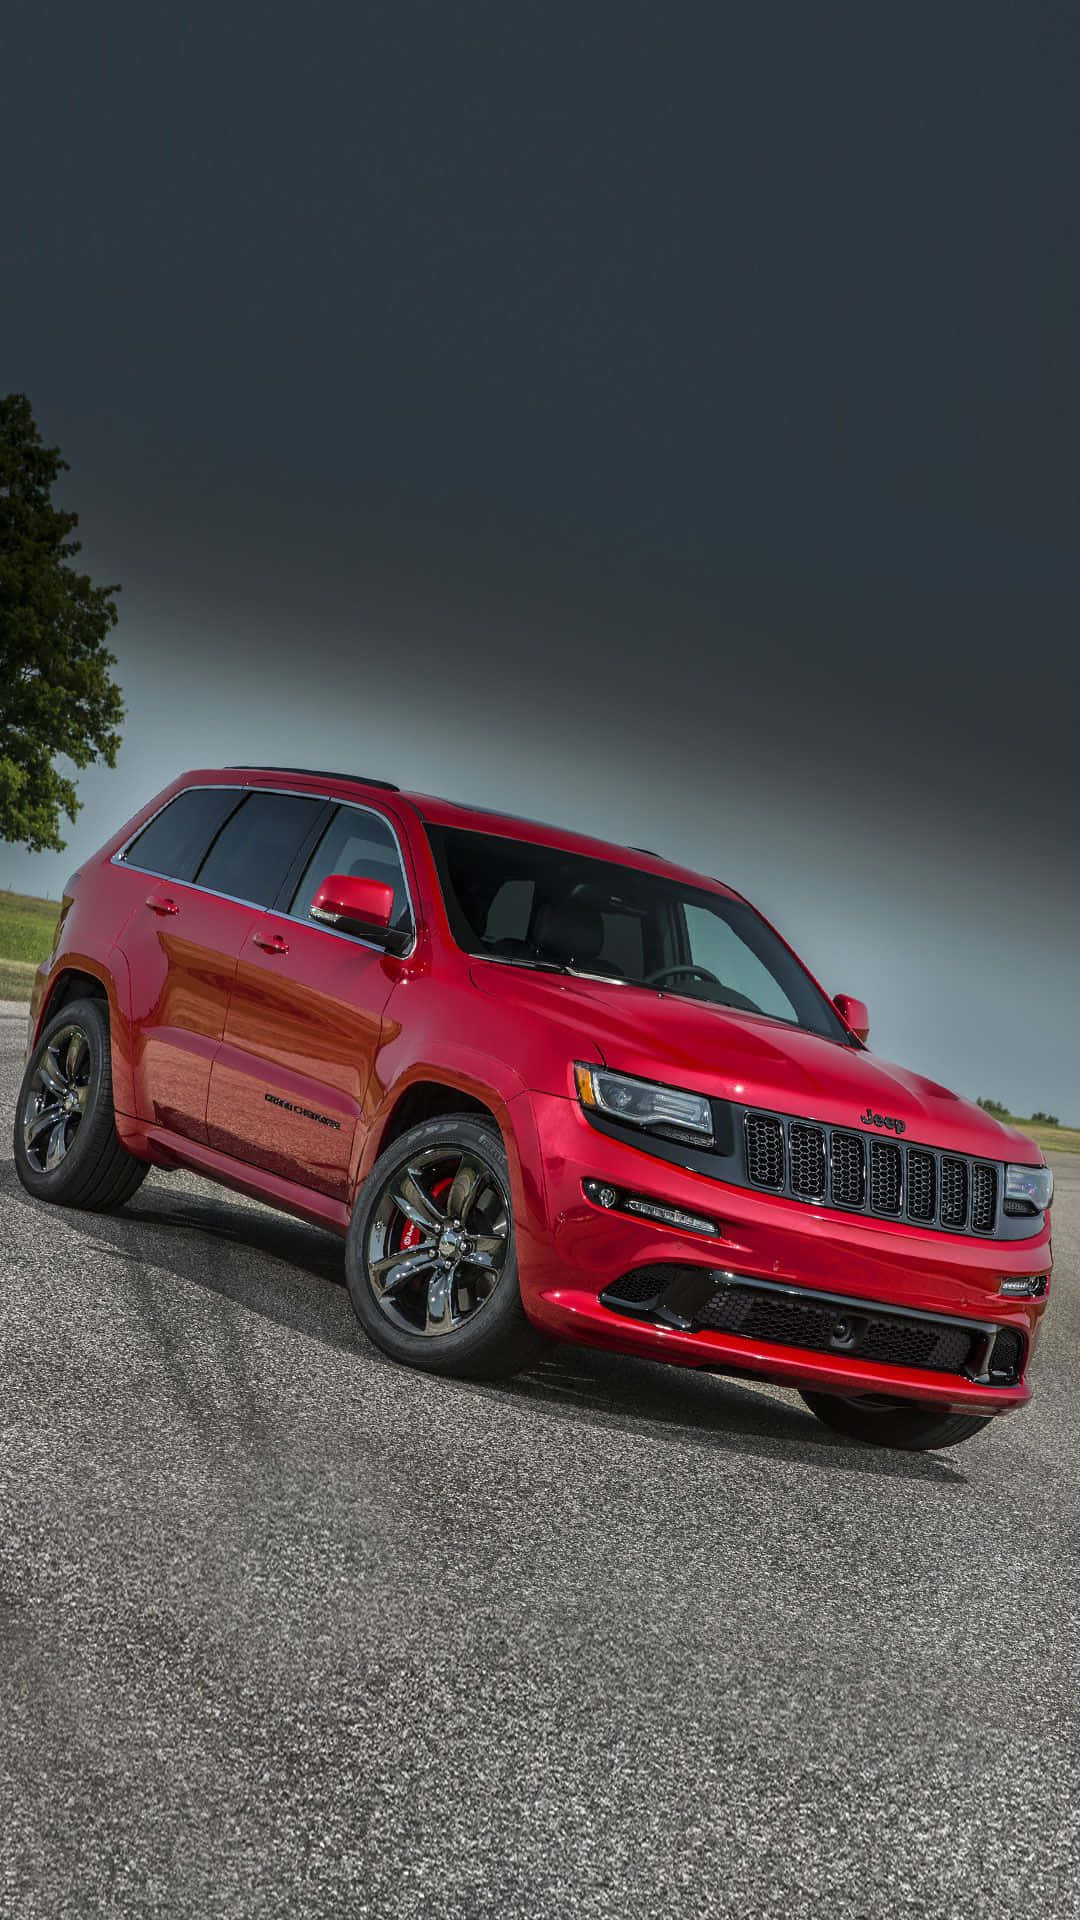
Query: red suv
[(543, 1086)]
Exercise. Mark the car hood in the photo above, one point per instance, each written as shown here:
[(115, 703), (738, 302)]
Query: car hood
[(756, 1062)]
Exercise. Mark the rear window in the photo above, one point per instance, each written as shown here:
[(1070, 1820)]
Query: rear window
[(251, 857), (177, 839)]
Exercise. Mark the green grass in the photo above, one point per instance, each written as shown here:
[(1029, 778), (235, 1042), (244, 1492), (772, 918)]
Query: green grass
[(26, 927), (1050, 1139), (26, 931), (16, 980)]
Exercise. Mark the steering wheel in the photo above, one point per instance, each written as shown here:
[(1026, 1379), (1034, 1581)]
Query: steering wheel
[(673, 973)]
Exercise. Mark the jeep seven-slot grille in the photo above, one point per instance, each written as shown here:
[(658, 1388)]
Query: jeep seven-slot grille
[(886, 1177)]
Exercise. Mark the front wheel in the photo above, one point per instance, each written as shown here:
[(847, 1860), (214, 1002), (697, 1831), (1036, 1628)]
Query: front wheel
[(908, 1424), (430, 1256)]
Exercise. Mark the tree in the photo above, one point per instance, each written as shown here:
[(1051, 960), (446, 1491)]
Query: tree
[(56, 693)]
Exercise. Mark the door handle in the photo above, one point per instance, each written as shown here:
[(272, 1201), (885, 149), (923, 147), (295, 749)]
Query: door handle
[(270, 942), (161, 903)]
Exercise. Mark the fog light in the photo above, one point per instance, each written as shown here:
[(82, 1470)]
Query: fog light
[(639, 1204), (1028, 1286)]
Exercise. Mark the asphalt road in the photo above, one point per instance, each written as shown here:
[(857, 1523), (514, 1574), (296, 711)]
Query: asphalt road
[(285, 1629)]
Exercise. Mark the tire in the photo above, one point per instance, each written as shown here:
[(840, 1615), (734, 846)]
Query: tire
[(91, 1169), (451, 1314), (910, 1425)]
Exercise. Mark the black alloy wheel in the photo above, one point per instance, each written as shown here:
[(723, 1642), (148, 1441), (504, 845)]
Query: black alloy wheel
[(65, 1141), (55, 1101), (430, 1257)]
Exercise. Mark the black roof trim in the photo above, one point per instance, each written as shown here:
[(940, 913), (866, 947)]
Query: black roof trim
[(648, 850), (319, 773)]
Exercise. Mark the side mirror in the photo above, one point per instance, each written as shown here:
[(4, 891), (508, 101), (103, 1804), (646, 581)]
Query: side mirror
[(351, 904), (854, 1015)]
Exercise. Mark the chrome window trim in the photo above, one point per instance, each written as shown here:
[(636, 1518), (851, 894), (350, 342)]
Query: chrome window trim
[(293, 920)]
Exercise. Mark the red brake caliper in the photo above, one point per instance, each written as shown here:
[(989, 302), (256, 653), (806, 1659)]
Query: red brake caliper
[(412, 1235)]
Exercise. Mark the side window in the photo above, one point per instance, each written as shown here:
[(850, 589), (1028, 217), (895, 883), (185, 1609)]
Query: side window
[(361, 845), (176, 840), (251, 856), (716, 945)]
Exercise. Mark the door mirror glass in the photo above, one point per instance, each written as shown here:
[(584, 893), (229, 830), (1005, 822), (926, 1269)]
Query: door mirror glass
[(351, 904), (854, 1015)]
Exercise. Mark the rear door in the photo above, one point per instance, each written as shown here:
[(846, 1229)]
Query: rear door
[(183, 937), (293, 1078)]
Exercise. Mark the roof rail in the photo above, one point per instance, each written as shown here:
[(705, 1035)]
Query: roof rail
[(318, 773), (649, 851)]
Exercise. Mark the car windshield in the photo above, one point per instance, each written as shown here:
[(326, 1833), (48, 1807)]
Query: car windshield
[(547, 907)]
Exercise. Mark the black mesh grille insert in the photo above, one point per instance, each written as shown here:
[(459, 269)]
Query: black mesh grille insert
[(764, 1150), (954, 1184), (848, 1173), (920, 1184), (807, 1149), (1006, 1355), (827, 1326), (885, 1177), (983, 1198), (638, 1288)]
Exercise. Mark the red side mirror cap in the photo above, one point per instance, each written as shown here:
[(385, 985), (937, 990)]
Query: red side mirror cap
[(854, 1015), (355, 905)]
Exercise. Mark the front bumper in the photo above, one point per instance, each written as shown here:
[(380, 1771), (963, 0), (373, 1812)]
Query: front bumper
[(571, 1251)]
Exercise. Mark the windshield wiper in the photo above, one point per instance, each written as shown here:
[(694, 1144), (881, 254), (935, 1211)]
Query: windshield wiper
[(518, 960)]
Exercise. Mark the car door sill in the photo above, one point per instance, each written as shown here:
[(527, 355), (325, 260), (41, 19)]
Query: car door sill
[(168, 1149)]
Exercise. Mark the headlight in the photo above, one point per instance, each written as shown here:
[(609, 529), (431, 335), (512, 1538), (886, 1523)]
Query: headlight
[(668, 1111), (1033, 1184)]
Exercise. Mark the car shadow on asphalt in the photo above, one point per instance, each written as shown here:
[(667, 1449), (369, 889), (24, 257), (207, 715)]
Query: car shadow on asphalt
[(706, 1410), (178, 1231)]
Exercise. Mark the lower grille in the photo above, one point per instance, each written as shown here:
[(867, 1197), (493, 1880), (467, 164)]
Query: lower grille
[(829, 1326), (1006, 1357), (641, 1288), (696, 1298)]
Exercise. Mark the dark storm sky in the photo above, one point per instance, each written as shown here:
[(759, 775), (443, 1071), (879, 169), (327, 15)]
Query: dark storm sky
[(662, 420)]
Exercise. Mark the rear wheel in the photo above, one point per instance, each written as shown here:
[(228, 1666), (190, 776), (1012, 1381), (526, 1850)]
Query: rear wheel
[(65, 1144), (430, 1256), (907, 1424)]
